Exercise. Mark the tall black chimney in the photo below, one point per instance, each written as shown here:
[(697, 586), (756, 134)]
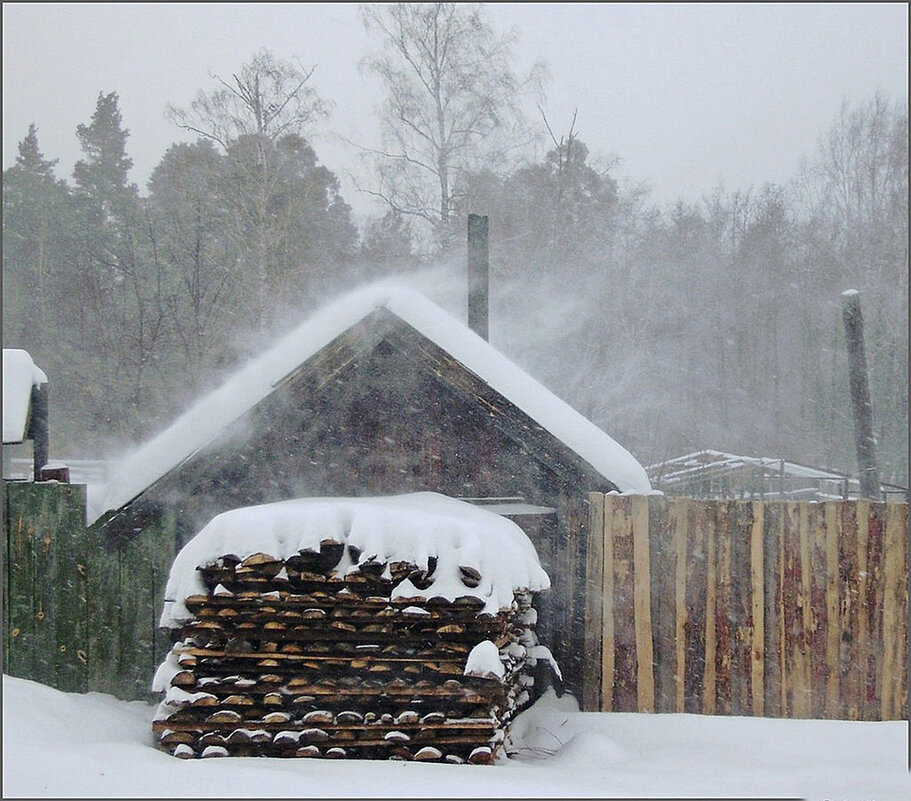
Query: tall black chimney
[(478, 275)]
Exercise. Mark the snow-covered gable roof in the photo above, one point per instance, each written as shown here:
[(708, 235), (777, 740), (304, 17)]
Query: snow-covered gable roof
[(258, 378), (20, 374), (709, 461)]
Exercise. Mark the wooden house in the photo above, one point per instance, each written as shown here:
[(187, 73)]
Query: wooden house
[(382, 392)]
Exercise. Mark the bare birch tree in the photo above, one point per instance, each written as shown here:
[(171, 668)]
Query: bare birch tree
[(266, 101), (267, 97), (452, 104)]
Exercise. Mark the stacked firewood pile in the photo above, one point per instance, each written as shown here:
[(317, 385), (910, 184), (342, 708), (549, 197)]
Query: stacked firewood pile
[(326, 653)]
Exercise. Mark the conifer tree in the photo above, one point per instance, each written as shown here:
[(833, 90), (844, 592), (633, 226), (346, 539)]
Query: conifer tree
[(102, 174)]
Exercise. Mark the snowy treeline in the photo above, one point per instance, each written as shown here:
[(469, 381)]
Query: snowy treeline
[(715, 324)]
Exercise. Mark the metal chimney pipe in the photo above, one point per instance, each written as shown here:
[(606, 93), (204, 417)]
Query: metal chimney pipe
[(478, 275)]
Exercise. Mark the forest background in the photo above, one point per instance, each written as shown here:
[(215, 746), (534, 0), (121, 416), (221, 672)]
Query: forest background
[(673, 327)]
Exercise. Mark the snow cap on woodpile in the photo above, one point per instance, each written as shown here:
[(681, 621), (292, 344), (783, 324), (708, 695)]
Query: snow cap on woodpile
[(20, 374), (409, 528), (253, 382)]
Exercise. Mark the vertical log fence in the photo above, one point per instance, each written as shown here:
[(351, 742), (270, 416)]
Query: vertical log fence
[(776, 609)]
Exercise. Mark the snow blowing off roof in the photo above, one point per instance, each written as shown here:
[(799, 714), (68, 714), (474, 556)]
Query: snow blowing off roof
[(253, 382)]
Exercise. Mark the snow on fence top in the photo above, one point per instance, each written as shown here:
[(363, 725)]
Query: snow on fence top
[(410, 528), (19, 376), (258, 378)]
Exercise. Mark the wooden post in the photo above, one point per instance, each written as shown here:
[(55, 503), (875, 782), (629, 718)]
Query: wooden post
[(642, 609), (38, 428), (895, 613), (478, 275), (819, 618), (708, 678), (863, 637), (594, 604), (662, 556), (803, 684), (833, 596), (757, 600), (681, 523), (860, 395), (626, 657), (607, 615), (723, 520), (849, 611)]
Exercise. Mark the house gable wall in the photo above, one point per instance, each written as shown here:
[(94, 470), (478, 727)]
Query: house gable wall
[(379, 411), (382, 410)]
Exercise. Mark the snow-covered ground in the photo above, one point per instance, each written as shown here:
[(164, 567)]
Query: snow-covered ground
[(64, 745)]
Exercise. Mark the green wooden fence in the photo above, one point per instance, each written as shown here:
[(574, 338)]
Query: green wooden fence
[(80, 611)]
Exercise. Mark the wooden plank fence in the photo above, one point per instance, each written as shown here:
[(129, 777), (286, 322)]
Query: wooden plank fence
[(80, 611), (783, 609), (776, 609)]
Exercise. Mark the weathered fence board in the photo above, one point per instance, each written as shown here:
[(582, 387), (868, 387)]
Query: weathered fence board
[(833, 638), (894, 702), (80, 611), (661, 558), (783, 609), (848, 654), (45, 631), (608, 634), (594, 607), (679, 515), (755, 634), (696, 566), (642, 611), (626, 691), (817, 624)]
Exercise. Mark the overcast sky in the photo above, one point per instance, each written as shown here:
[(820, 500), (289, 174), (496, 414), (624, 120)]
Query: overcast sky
[(686, 95)]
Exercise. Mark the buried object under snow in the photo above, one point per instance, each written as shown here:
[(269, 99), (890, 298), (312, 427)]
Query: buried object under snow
[(391, 628)]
